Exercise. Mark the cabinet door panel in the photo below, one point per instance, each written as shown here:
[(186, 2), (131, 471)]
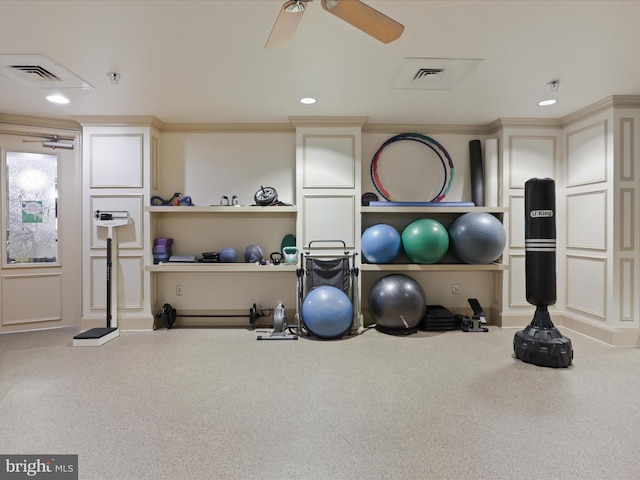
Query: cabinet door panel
[(329, 217)]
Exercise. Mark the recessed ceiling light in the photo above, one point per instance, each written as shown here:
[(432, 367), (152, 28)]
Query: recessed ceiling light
[(58, 99), (308, 100), (545, 103)]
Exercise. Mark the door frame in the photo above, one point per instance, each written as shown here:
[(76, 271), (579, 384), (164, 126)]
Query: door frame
[(67, 271)]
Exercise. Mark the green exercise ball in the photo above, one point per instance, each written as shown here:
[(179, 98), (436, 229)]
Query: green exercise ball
[(425, 241)]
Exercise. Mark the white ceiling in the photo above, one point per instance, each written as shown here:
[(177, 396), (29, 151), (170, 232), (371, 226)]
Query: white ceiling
[(205, 61)]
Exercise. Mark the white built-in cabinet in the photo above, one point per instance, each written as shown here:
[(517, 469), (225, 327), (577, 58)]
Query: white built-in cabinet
[(118, 175), (222, 289), (322, 165), (480, 281)]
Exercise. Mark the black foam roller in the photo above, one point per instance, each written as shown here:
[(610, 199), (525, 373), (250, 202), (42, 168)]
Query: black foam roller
[(476, 173)]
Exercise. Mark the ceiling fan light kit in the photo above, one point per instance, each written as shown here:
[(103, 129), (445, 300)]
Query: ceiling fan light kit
[(354, 12)]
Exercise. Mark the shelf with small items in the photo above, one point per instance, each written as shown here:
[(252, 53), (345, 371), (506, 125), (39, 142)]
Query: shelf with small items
[(434, 267), (433, 210), (175, 267), (401, 216), (194, 230), (233, 210)]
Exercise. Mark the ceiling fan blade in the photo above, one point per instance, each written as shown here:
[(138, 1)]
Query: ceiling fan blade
[(366, 18), (285, 26)]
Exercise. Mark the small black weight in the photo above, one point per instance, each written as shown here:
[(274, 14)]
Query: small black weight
[(168, 315), (276, 258)]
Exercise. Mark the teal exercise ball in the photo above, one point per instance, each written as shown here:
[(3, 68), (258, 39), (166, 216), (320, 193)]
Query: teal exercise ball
[(477, 238), (425, 241)]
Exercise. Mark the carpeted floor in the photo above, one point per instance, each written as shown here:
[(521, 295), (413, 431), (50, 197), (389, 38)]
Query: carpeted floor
[(217, 404)]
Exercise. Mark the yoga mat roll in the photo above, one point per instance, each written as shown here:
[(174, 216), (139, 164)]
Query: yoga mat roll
[(476, 175), (491, 173)]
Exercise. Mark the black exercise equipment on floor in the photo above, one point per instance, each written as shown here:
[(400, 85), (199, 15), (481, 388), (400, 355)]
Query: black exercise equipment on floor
[(474, 323), (540, 342), (438, 319), (169, 314)]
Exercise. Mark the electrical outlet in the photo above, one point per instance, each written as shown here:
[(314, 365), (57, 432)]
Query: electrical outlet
[(178, 289), (455, 289)]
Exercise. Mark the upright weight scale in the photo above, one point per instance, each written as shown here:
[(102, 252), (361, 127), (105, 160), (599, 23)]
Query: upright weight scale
[(95, 337), (541, 343)]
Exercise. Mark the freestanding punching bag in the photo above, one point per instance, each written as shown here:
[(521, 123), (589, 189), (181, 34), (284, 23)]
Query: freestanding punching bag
[(540, 342)]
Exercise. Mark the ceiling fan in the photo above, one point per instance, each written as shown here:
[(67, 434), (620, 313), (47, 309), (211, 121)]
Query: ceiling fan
[(354, 12)]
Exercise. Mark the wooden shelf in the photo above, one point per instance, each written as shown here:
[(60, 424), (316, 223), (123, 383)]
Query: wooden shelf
[(435, 267), (220, 268), (234, 210), (433, 210)]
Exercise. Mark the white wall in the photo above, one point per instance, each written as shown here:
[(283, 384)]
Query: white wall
[(206, 166)]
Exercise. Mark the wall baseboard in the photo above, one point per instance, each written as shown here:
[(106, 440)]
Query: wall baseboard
[(616, 337), (142, 322)]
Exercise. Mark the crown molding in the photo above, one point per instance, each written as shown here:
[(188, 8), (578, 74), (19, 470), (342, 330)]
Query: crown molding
[(502, 123), (119, 121), (629, 101), (396, 128), (227, 128), (42, 122), (328, 121), (614, 101)]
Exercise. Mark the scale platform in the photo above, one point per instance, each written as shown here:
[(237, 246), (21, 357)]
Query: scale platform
[(95, 337)]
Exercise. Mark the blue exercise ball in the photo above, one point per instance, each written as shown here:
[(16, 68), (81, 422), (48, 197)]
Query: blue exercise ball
[(381, 243), (397, 302), (477, 238), (425, 241), (228, 255), (327, 312), (253, 254)]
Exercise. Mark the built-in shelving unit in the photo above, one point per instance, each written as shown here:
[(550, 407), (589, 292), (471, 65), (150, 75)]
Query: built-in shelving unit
[(399, 217), (222, 287), (446, 272), (198, 229)]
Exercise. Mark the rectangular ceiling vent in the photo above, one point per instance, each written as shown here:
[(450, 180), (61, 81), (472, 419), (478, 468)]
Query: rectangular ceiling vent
[(426, 72), (432, 73), (38, 71)]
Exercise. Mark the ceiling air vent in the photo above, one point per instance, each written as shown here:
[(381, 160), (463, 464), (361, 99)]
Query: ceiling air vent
[(38, 71), (432, 73), (425, 72)]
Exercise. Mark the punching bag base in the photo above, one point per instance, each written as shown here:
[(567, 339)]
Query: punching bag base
[(545, 347)]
